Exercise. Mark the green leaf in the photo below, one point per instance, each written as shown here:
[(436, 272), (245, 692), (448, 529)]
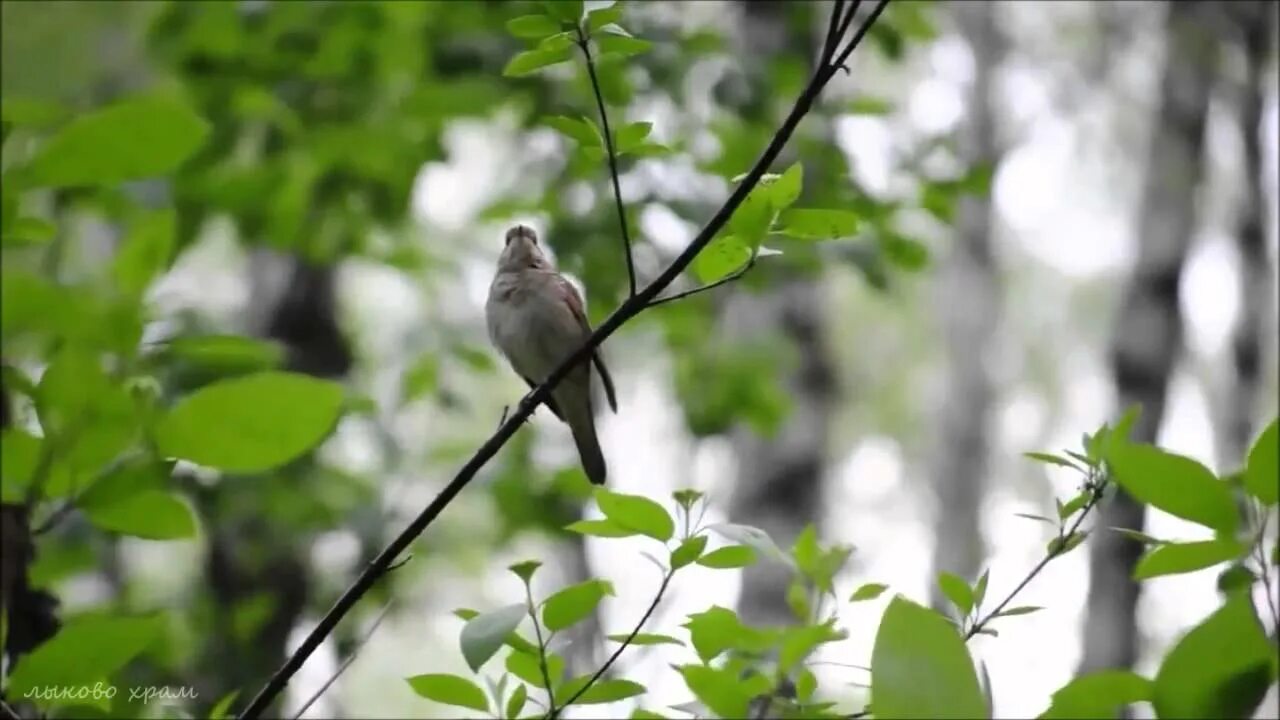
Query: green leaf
[(786, 189), (1098, 695), (532, 60), (1236, 578), (978, 180), (516, 702), (222, 709), (686, 498), (574, 604), (647, 639), (1261, 473), (688, 551), (525, 570), (532, 26), (1221, 668), (31, 112), (868, 105), (1174, 558), (751, 536), (914, 642), (636, 512), (86, 649), (601, 691), (580, 129), (719, 629), (600, 17), (152, 514), (1176, 484), (1062, 546), (868, 591), (1019, 610), (723, 256), (957, 591), (1143, 538), (227, 354), (566, 11), (720, 689), (251, 423), (600, 528), (1074, 504), (1051, 459), (980, 589), (485, 633), (621, 45), (813, 224), (631, 136), (732, 556), (1039, 518), (526, 666), (137, 138), (450, 690), (907, 253), (798, 643), (28, 231), (146, 252)]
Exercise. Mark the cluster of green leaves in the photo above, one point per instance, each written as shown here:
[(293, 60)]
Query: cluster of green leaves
[(1220, 668)]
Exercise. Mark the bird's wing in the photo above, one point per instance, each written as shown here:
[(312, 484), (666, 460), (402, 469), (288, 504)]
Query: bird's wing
[(574, 301)]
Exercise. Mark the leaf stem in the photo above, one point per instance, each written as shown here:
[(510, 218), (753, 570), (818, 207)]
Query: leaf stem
[(613, 160), (382, 614), (750, 263), (542, 650)]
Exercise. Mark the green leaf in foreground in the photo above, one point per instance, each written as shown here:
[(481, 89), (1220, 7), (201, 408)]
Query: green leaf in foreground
[(621, 45), (516, 702), (251, 423), (720, 689), (1174, 558), (450, 690), (647, 639), (226, 353), (1098, 695), (1176, 484), (636, 512), (152, 514), (87, 649), (532, 26), (732, 556), (601, 691), (688, 551), (868, 591), (136, 138), (1260, 475), (600, 528), (484, 634), (957, 591), (721, 257), (914, 642), (1221, 668), (574, 604), (532, 60), (814, 224)]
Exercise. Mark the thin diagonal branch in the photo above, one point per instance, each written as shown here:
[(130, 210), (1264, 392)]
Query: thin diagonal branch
[(662, 589), (542, 650), (345, 663), (613, 160), (857, 37), (746, 267), (633, 306)]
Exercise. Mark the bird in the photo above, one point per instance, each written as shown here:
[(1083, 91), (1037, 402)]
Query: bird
[(536, 319)]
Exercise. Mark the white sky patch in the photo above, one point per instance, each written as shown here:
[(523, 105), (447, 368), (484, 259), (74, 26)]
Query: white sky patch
[(869, 145), (1210, 294)]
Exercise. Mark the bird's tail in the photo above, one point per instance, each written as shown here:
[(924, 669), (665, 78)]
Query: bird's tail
[(582, 424)]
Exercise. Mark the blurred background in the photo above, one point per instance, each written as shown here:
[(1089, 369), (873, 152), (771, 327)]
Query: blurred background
[(1112, 240)]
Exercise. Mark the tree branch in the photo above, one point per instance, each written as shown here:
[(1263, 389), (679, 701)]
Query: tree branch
[(613, 161), (542, 650), (345, 663), (633, 306), (750, 263), (662, 589)]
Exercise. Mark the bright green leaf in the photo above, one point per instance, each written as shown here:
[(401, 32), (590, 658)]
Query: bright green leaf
[(1261, 474), (813, 224), (580, 129), (574, 604), (980, 588), (1051, 459), (1071, 506), (786, 189), (957, 591), (723, 256), (1221, 668), (525, 570), (1019, 610), (1062, 546), (136, 138), (566, 11), (688, 551), (450, 690), (907, 253), (28, 231), (718, 629), (516, 702), (485, 633), (732, 556), (1098, 695), (868, 591), (532, 60), (632, 135), (252, 423), (222, 709), (720, 689), (86, 649), (636, 512), (621, 45), (1174, 558), (601, 691), (146, 252), (600, 17), (647, 639), (152, 514), (1176, 484), (868, 105), (526, 666), (914, 642), (532, 26), (226, 354), (600, 528), (799, 642)]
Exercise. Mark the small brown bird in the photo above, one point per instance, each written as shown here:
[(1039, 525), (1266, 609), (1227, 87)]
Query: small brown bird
[(536, 320)]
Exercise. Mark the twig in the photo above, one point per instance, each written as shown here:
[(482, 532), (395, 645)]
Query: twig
[(613, 160), (542, 651), (1095, 496), (9, 712), (1261, 556), (630, 308), (857, 37), (662, 589), (750, 263), (349, 659)]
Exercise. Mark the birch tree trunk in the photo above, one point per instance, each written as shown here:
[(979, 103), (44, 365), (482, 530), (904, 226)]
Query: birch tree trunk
[(968, 297), (1148, 330)]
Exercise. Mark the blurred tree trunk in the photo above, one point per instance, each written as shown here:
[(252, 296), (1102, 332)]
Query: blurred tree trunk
[(1253, 21), (779, 479), (968, 311), (1148, 331)]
